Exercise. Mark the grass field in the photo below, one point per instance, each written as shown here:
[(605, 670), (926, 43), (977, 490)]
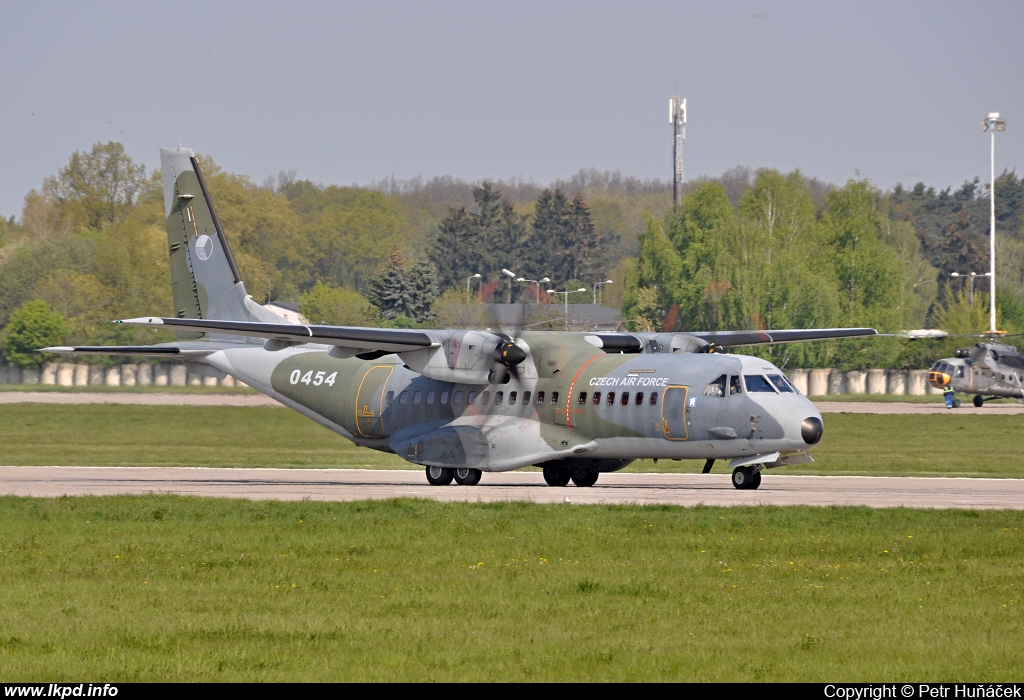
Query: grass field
[(175, 588), (115, 435)]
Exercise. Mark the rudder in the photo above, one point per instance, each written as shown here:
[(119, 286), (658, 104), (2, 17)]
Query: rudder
[(204, 277)]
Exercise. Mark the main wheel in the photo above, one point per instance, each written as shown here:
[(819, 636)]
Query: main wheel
[(743, 477), (584, 477), (556, 476), (439, 476), (979, 401), (465, 476)]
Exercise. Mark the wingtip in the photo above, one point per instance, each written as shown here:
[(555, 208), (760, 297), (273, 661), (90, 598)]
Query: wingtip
[(142, 321)]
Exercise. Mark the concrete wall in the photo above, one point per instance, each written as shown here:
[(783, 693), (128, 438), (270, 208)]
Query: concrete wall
[(812, 382), (143, 374)]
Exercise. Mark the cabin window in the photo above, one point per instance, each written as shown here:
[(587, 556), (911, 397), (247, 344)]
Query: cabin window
[(511, 398), (485, 398), (780, 383), (734, 385), (444, 398), (625, 399), (654, 399), (756, 383), (403, 398), (716, 388), (471, 398), (498, 397), (526, 398), (611, 398), (391, 396), (430, 397), (417, 397), (960, 371), (540, 397), (640, 398), (457, 398), (554, 398), (583, 398), (597, 398)]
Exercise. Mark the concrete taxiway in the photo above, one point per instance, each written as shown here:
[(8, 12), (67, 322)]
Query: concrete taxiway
[(612, 489)]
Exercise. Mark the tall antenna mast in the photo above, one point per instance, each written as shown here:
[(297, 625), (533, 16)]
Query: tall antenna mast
[(677, 118)]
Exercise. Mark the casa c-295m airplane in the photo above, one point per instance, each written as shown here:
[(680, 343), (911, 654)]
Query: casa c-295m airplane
[(463, 402)]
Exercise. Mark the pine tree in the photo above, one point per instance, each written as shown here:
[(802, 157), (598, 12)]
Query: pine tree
[(391, 291)]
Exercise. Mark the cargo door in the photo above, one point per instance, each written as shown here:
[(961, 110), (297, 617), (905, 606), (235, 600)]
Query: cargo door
[(673, 413), (370, 401)]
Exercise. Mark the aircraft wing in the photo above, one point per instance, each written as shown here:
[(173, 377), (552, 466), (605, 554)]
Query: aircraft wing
[(386, 340), (733, 339)]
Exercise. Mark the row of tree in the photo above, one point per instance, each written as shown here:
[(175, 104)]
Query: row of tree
[(778, 259), (747, 250)]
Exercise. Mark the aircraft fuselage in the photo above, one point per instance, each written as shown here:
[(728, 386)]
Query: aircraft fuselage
[(613, 408)]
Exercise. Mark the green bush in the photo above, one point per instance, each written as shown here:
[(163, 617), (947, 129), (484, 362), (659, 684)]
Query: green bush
[(31, 327)]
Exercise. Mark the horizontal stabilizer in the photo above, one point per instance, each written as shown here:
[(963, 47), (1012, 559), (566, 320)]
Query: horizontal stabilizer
[(155, 350)]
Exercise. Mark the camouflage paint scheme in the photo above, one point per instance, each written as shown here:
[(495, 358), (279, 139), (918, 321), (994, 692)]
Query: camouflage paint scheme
[(534, 397)]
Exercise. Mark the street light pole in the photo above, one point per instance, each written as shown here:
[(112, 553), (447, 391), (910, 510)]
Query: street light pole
[(971, 276), (471, 277), (993, 124), (600, 284), (567, 293), (536, 282), (511, 278)]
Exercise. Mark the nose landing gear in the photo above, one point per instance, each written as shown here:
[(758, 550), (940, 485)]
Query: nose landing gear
[(746, 477)]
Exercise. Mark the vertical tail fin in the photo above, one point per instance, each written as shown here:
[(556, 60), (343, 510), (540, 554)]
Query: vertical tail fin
[(204, 276)]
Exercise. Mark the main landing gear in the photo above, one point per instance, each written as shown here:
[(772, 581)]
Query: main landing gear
[(463, 476), (979, 400), (560, 476), (746, 477)]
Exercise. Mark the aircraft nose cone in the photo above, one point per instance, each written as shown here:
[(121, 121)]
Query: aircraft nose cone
[(811, 430)]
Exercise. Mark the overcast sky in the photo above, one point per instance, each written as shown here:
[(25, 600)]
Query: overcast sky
[(351, 92)]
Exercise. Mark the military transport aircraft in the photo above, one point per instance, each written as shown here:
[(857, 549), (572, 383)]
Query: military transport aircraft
[(988, 369), (465, 402)]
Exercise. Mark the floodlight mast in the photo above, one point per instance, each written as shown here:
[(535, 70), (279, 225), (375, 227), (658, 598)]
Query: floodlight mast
[(677, 118), (992, 123)]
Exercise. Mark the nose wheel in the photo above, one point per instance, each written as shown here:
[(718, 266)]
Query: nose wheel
[(746, 477)]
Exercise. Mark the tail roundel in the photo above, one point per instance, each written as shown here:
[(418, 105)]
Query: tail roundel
[(204, 277)]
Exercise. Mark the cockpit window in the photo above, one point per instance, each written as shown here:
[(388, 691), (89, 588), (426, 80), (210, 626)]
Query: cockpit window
[(716, 388), (734, 385), (780, 383), (757, 383)]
